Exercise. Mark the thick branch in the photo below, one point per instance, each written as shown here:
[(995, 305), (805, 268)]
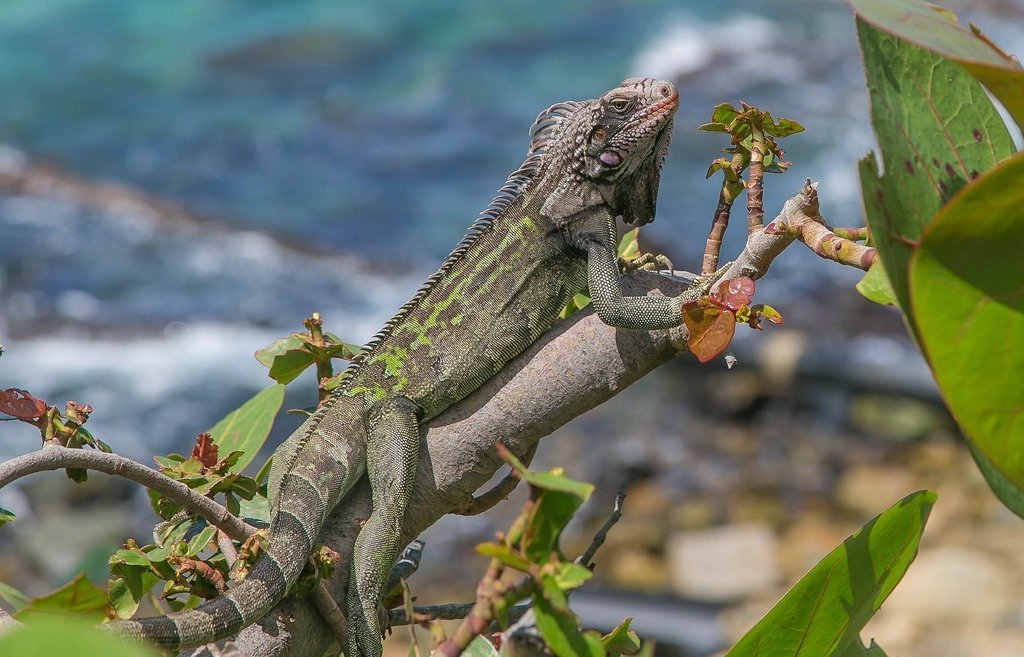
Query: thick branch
[(531, 397)]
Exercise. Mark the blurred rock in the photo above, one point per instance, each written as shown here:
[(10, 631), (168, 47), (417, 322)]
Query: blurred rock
[(723, 563), (954, 585), (897, 418), (636, 570), (805, 543), (867, 490)]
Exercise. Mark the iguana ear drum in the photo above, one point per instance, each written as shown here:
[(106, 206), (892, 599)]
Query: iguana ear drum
[(611, 158)]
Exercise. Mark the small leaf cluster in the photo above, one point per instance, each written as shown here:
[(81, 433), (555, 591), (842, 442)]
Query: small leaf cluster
[(288, 357), (746, 127), (531, 548), (711, 319), (65, 429), (206, 473)]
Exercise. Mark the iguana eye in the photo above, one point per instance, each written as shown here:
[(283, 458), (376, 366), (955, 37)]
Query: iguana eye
[(620, 104)]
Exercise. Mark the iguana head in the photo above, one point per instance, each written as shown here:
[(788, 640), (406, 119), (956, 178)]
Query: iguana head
[(609, 150)]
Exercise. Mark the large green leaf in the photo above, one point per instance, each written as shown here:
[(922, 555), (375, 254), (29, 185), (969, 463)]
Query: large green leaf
[(824, 613), (12, 596), (858, 649), (936, 130), (246, 428), (79, 597), (939, 30), (967, 291), (63, 636)]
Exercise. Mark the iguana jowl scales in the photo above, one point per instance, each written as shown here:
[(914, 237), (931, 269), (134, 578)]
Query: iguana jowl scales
[(549, 234)]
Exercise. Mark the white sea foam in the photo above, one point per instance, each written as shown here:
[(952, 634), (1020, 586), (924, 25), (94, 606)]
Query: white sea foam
[(687, 45)]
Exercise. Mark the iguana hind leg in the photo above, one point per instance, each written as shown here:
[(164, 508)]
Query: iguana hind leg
[(392, 454)]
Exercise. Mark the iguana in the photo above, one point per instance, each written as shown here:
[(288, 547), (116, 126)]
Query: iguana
[(549, 234)]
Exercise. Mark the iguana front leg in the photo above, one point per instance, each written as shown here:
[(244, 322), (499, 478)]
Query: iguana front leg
[(635, 313), (392, 451)]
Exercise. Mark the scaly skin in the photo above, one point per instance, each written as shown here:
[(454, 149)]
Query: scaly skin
[(548, 235)]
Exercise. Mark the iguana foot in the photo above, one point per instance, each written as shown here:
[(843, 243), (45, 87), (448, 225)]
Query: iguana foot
[(646, 262), (703, 284)]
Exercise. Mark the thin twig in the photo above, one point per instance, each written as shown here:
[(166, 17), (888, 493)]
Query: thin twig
[(407, 607), (55, 457), (490, 590), (602, 533), (452, 611), (499, 491)]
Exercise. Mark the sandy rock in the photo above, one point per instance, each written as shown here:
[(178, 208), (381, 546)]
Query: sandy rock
[(805, 543), (868, 489), (951, 586), (723, 563), (635, 570)]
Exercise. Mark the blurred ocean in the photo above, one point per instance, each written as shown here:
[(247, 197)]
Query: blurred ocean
[(373, 131)]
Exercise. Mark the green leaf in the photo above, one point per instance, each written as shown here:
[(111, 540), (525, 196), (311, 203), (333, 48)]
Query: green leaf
[(857, 649), (200, 541), (6, 516), (936, 129), (289, 365), (828, 607), (724, 113), (12, 596), (79, 597), (1004, 489), (503, 554), (264, 471), (572, 575), (967, 293), (621, 640), (875, 286), (784, 128), (246, 428), (64, 636), (553, 512), (258, 508), (939, 31), (267, 354), (629, 245), (125, 592), (479, 647), (561, 632), (338, 348), (130, 557)]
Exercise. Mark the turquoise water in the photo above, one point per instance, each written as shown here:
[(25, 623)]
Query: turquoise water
[(370, 123), (374, 130)]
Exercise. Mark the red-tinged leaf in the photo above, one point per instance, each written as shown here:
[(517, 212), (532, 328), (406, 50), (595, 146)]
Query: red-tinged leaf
[(736, 292), (21, 404), (769, 313), (711, 330), (205, 451)]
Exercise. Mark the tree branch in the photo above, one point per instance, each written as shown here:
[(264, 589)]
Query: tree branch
[(531, 397), (55, 457)]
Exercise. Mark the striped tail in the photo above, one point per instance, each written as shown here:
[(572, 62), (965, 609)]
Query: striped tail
[(303, 504), (268, 582)]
